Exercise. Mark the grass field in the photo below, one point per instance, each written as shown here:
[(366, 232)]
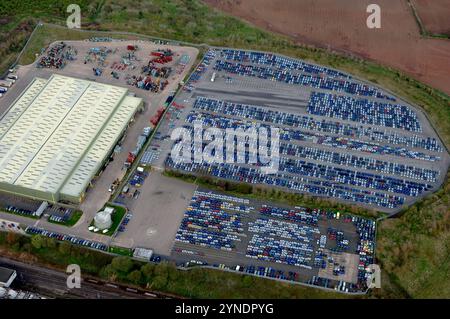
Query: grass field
[(413, 249), (121, 251)]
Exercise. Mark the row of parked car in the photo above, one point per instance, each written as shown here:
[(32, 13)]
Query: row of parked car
[(361, 162), (296, 215), (203, 215), (282, 229), (278, 61), (293, 149), (363, 111), (269, 117), (207, 224), (308, 123), (124, 222), (365, 248), (259, 271), (200, 70), (207, 238), (19, 211), (296, 183), (331, 173), (353, 144), (288, 236), (353, 177), (61, 237), (238, 204), (58, 219), (280, 251), (294, 78)]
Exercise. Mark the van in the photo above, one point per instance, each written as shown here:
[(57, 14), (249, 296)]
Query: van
[(5, 83)]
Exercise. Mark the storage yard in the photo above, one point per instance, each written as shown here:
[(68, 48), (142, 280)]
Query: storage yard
[(339, 137), (304, 245)]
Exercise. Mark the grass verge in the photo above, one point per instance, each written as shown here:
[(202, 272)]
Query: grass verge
[(121, 251)]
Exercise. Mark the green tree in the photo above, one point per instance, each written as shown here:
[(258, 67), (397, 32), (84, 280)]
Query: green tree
[(108, 272), (135, 277), (122, 264), (64, 248), (37, 241), (159, 282), (49, 242), (148, 270)]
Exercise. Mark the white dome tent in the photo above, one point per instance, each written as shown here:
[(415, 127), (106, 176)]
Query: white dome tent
[(102, 219)]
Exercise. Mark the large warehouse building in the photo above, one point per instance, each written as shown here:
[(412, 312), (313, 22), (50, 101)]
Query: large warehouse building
[(58, 134)]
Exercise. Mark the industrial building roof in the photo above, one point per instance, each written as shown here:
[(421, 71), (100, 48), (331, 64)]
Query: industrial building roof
[(5, 274), (58, 132)]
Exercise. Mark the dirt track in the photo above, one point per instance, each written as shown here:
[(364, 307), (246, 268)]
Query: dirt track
[(341, 25)]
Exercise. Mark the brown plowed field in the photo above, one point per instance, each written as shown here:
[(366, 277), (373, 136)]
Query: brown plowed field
[(435, 15), (341, 25)]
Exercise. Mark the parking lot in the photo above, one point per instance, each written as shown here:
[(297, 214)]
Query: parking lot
[(296, 244), (156, 214), (339, 137)]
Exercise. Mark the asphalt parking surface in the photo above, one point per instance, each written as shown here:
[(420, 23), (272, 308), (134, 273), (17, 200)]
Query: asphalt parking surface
[(293, 99)]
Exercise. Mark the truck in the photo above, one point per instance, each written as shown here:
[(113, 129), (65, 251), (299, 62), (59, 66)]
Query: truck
[(130, 159)]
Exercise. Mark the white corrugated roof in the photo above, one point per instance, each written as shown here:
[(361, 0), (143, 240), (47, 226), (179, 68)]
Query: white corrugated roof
[(92, 161), (55, 128), (21, 104)]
